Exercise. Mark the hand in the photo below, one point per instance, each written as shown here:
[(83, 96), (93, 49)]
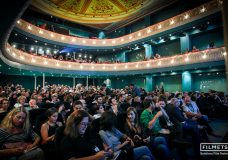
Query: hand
[(146, 140), (194, 118), (100, 154), (52, 138), (29, 147), (137, 137)]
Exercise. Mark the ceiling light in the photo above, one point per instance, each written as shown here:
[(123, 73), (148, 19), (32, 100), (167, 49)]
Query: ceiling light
[(115, 67), (14, 46), (186, 59), (57, 64), (203, 9), (29, 27), (139, 34), (52, 35), (172, 61), (41, 32), (104, 42), (94, 42), (90, 57), (84, 41), (103, 67), (130, 37), (18, 22), (73, 39), (62, 38), (172, 22), (122, 39), (125, 66), (92, 67), (148, 64), (224, 53), (81, 66), (45, 62), (186, 16), (159, 63), (204, 56), (159, 26), (14, 54), (114, 41), (148, 31), (69, 66), (136, 65), (33, 60)]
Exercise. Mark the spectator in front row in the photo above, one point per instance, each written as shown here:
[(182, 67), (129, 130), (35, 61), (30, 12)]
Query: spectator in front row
[(4, 105), (48, 132), (75, 144), (17, 139)]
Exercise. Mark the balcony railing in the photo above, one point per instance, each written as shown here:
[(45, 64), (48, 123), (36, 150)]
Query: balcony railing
[(209, 55)]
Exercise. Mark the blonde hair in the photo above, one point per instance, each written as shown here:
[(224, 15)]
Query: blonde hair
[(7, 122)]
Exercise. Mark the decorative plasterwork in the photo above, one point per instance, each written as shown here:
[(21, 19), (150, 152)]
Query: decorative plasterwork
[(210, 55), (179, 20), (91, 11)]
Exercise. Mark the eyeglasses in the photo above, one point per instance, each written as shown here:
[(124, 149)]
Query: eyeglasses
[(84, 124)]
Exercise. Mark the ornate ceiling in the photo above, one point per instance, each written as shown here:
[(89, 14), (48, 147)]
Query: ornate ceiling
[(99, 13)]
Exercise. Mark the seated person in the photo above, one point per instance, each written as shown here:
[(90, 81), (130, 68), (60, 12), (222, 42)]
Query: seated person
[(111, 137), (150, 120), (4, 105), (194, 49), (48, 132), (17, 139), (135, 132), (192, 111), (75, 144)]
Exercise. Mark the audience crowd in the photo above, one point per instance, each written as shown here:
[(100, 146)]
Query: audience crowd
[(96, 122)]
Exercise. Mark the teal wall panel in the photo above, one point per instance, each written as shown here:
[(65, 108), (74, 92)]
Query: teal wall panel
[(202, 40), (187, 81), (168, 48), (170, 83), (205, 81)]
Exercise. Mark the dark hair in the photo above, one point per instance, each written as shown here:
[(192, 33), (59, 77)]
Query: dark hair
[(74, 119), (51, 111), (77, 103), (147, 103), (108, 120), (58, 104)]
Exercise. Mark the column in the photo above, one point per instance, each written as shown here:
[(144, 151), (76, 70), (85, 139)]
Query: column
[(225, 30), (185, 43), (149, 83), (186, 81), (87, 82), (73, 82), (148, 51), (43, 80), (35, 78), (147, 21)]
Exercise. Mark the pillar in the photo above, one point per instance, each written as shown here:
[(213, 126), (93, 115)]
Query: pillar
[(43, 80), (225, 30), (35, 78), (73, 82), (186, 81), (149, 83), (185, 43), (148, 51)]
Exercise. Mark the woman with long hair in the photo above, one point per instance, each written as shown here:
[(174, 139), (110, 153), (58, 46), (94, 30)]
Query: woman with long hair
[(111, 136), (48, 132), (75, 143), (17, 139), (158, 145)]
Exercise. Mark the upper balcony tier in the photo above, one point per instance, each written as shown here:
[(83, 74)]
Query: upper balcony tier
[(140, 36)]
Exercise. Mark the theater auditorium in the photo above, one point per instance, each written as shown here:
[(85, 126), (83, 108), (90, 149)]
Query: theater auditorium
[(113, 80)]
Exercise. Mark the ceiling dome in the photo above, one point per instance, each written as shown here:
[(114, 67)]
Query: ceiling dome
[(92, 11)]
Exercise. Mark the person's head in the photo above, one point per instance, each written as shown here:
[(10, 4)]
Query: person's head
[(113, 101), (187, 100), (149, 104), (132, 115), (32, 103), (39, 99), (137, 99), (131, 86), (99, 99), (4, 104), (108, 120), (175, 102), (16, 118), (77, 124), (77, 105), (54, 97), (21, 100), (52, 115)]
